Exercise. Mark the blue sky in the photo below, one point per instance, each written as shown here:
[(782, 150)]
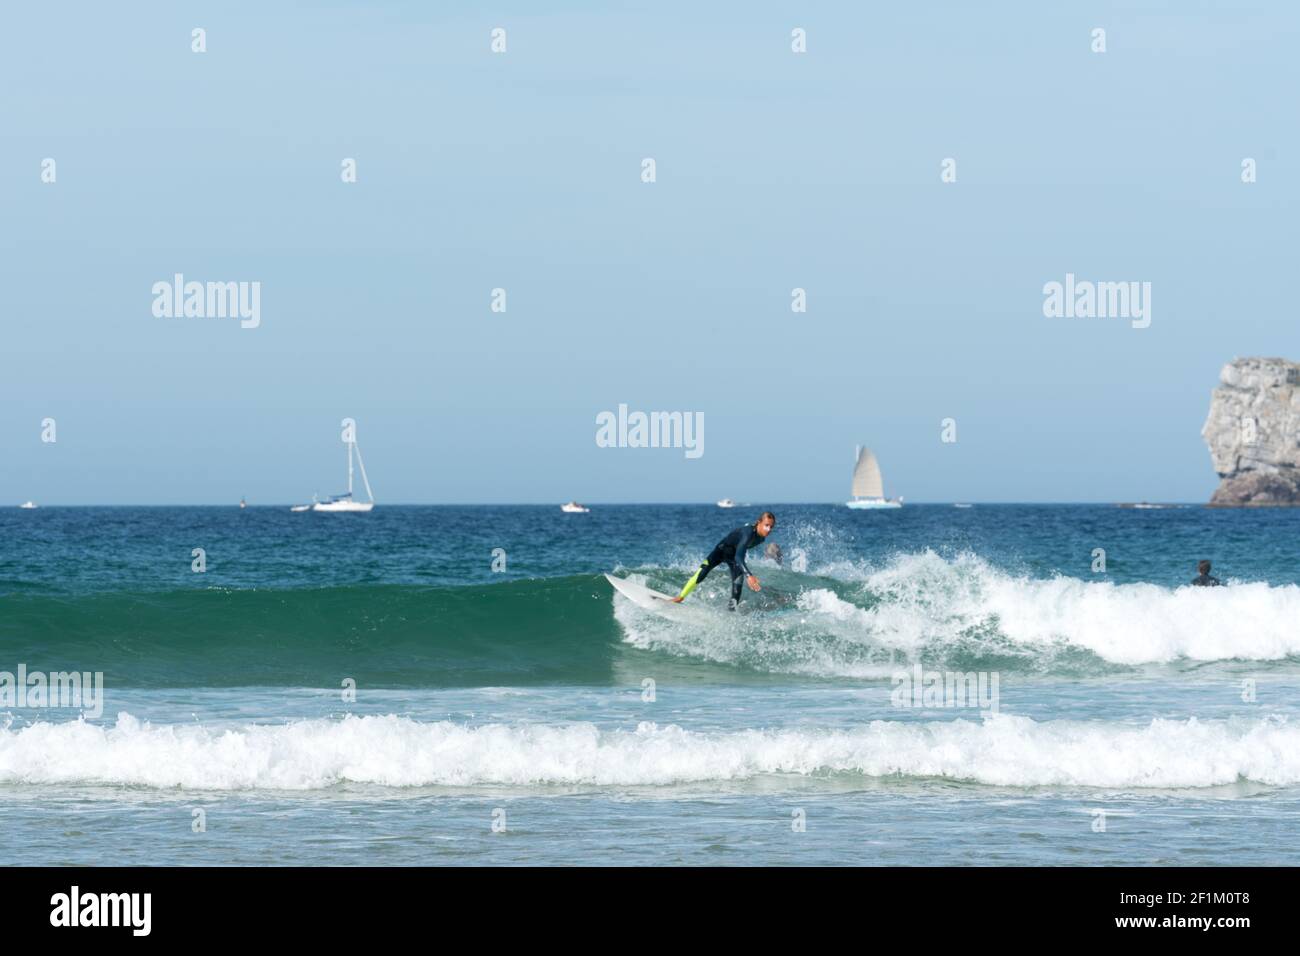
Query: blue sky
[(522, 171)]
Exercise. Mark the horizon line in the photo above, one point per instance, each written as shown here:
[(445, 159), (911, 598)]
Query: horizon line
[(589, 503)]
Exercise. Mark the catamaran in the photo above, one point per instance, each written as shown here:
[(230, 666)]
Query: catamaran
[(344, 502), (868, 486)]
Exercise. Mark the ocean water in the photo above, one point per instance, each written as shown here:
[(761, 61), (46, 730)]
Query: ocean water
[(427, 685)]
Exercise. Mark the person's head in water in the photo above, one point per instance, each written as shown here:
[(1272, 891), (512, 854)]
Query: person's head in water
[(765, 523), (1203, 566)]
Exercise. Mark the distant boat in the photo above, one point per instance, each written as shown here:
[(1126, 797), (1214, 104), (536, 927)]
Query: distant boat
[(27, 505), (345, 502), (868, 486), (303, 507), (243, 503), (574, 508), (726, 503), (961, 506)]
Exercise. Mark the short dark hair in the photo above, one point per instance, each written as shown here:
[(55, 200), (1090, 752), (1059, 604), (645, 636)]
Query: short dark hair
[(767, 514), (1203, 566)]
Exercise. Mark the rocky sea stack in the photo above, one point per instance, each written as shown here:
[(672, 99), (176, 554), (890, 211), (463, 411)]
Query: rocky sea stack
[(1253, 432)]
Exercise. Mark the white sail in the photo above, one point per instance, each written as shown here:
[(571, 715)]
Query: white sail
[(867, 482)]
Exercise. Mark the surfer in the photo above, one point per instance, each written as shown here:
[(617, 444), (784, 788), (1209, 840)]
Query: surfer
[(731, 551), (1203, 580)]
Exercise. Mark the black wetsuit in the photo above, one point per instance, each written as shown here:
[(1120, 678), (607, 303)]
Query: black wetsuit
[(1205, 581), (730, 551)]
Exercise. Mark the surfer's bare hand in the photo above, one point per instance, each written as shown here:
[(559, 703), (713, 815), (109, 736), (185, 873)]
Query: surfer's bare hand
[(753, 583)]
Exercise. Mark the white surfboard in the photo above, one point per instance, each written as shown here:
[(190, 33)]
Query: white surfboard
[(643, 596)]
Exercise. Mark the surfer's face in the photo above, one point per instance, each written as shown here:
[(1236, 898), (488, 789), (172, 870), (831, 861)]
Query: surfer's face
[(764, 527)]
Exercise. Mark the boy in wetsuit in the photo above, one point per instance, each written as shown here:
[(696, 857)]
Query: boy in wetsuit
[(731, 551), (1203, 580)]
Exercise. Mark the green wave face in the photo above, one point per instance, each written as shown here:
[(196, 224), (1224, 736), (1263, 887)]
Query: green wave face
[(517, 633)]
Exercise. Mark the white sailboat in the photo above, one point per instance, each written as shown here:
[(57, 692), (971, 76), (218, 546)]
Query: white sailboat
[(573, 508), (344, 502), (868, 485), (27, 505)]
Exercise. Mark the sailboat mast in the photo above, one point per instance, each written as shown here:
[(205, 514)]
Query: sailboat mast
[(360, 461), (350, 444)]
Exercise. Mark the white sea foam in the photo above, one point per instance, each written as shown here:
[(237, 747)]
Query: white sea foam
[(923, 606), (396, 751), (924, 596)]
